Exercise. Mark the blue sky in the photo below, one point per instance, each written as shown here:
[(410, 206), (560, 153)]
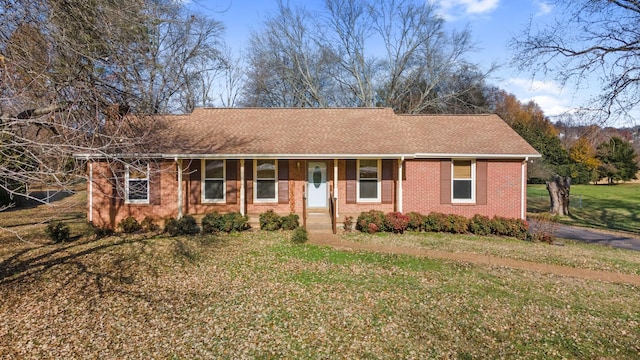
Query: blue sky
[(492, 23)]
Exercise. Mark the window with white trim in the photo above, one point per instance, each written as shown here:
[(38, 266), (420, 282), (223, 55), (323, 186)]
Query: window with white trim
[(266, 180), (136, 180), (463, 179), (213, 184), (368, 180)]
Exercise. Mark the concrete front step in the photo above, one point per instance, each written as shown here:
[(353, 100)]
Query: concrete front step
[(316, 222)]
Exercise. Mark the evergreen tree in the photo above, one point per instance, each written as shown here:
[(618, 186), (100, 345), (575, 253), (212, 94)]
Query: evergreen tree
[(619, 160)]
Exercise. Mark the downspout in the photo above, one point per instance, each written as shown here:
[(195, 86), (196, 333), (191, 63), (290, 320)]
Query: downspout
[(523, 195), (242, 189), (179, 163), (335, 184), (399, 184), (91, 192)]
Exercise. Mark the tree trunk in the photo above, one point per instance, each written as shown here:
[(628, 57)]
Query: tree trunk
[(558, 189)]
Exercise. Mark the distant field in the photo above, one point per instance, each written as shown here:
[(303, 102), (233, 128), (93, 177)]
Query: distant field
[(614, 207)]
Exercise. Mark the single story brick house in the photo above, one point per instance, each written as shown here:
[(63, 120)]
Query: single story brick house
[(294, 160)]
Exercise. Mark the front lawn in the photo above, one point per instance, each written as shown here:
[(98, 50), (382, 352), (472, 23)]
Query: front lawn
[(256, 295)]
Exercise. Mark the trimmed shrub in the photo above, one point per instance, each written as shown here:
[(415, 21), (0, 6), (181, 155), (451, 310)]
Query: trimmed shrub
[(458, 224), (375, 217), (416, 221), (149, 225), (101, 232), (348, 223), (212, 223), (58, 231), (436, 222), (451, 223), (269, 221), (171, 227), (235, 222), (289, 222), (129, 225), (299, 236), (187, 225), (480, 225), (517, 228), (499, 226), (396, 222)]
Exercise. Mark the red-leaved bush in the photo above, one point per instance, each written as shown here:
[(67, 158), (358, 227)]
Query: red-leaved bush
[(396, 222)]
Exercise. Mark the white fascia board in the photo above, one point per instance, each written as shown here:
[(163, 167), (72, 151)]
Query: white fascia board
[(287, 156), (119, 156), (476, 156), (308, 156)]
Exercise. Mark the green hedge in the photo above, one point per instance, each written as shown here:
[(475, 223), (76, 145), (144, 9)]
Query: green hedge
[(373, 221)]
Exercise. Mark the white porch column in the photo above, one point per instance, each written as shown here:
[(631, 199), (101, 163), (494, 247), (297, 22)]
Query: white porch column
[(243, 209), (399, 184), (335, 184), (91, 192), (179, 162)]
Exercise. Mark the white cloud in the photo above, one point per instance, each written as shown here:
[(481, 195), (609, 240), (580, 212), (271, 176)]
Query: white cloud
[(451, 9), (544, 8), (547, 94), (551, 105), (535, 86)]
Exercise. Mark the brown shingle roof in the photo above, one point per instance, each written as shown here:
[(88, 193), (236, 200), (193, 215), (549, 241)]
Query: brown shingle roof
[(337, 131), (485, 134)]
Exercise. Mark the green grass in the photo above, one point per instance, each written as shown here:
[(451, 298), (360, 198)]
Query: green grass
[(572, 253), (256, 295), (613, 207)]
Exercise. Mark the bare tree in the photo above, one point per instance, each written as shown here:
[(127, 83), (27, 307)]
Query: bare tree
[(80, 77), (286, 67), (181, 51), (354, 71), (233, 77), (329, 59), (588, 38)]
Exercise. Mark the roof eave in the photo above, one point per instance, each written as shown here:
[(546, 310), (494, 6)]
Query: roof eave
[(475, 156), (88, 156)]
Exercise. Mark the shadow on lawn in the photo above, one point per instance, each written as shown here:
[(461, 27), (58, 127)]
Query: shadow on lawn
[(607, 213), (69, 263)]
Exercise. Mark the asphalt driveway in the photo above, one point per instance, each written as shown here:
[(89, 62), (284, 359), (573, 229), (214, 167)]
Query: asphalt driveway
[(613, 239)]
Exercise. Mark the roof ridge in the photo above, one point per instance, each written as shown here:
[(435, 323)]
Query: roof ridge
[(292, 108), (434, 115)]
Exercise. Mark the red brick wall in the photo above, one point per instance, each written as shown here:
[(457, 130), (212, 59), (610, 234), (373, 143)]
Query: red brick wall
[(109, 207), (421, 193), (354, 209), (421, 190)]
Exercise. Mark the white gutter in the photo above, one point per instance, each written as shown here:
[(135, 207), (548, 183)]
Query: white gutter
[(314, 156), (476, 156), (523, 191), (88, 156), (288, 156), (91, 192)]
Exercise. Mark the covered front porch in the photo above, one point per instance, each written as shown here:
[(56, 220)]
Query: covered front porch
[(318, 190)]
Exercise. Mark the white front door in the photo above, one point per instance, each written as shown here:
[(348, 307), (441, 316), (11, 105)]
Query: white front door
[(317, 184)]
